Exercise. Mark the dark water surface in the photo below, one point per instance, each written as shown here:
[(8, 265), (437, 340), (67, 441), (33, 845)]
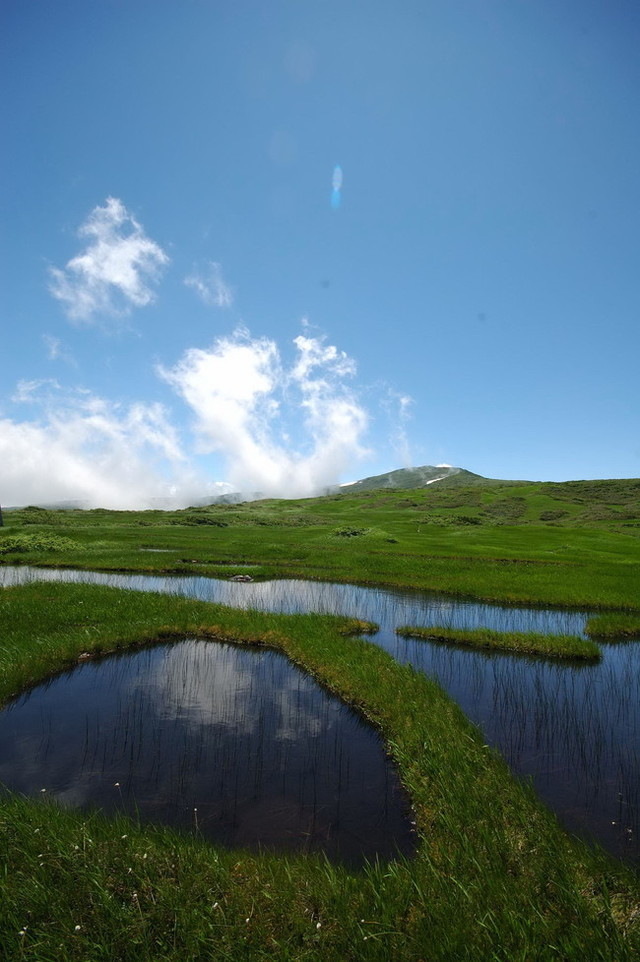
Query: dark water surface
[(573, 729), (235, 743)]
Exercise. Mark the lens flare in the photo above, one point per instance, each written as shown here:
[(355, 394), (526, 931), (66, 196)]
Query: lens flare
[(336, 183)]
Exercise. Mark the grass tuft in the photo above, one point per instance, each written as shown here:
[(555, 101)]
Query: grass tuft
[(526, 643), (613, 626)]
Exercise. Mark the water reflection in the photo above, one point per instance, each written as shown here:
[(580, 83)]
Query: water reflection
[(574, 730), (235, 743), (388, 608)]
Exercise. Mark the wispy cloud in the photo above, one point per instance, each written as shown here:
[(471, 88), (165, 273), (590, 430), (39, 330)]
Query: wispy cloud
[(211, 286), (78, 446), (246, 400), (56, 350), (398, 407), (114, 272), (29, 392)]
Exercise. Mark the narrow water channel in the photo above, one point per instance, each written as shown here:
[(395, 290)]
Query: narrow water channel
[(574, 730)]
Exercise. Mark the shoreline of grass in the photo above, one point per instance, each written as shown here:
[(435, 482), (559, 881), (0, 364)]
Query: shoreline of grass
[(495, 876), (394, 540), (614, 626), (269, 570), (519, 642)]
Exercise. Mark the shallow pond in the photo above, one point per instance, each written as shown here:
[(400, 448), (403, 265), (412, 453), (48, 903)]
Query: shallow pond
[(235, 743), (573, 729)]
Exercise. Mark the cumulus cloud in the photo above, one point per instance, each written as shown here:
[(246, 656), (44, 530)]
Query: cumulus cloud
[(114, 272), (82, 447), (280, 426), (210, 286), (246, 401)]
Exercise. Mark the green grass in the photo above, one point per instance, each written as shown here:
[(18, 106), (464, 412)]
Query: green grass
[(613, 626), (489, 542), (495, 878), (25, 543), (526, 643)]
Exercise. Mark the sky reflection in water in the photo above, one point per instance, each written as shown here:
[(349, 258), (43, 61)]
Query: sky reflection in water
[(235, 743), (573, 729)]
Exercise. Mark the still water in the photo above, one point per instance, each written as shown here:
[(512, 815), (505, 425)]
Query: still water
[(234, 743), (574, 730)]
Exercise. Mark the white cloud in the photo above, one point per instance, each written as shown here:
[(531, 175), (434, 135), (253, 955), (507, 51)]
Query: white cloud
[(56, 350), (244, 400), (114, 271), (211, 286), (27, 392), (285, 429), (84, 448), (53, 346), (314, 354)]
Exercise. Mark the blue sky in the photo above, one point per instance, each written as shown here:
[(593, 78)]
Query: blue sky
[(184, 308)]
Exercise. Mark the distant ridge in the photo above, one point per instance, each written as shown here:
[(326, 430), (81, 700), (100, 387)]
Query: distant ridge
[(614, 498), (51, 506), (444, 475), (402, 479)]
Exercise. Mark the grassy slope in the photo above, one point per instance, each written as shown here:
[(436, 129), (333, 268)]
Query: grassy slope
[(494, 878), (573, 544)]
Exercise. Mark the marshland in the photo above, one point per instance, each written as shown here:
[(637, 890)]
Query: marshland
[(498, 759)]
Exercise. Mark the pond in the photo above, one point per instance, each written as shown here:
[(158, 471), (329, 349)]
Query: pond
[(234, 743), (574, 730)]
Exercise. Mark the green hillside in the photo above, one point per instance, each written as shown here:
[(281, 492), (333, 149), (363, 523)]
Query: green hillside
[(409, 478), (574, 543)]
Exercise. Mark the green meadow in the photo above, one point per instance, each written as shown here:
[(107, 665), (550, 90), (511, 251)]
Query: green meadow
[(572, 544), (494, 876)]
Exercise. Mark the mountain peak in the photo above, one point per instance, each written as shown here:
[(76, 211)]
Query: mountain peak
[(406, 478)]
